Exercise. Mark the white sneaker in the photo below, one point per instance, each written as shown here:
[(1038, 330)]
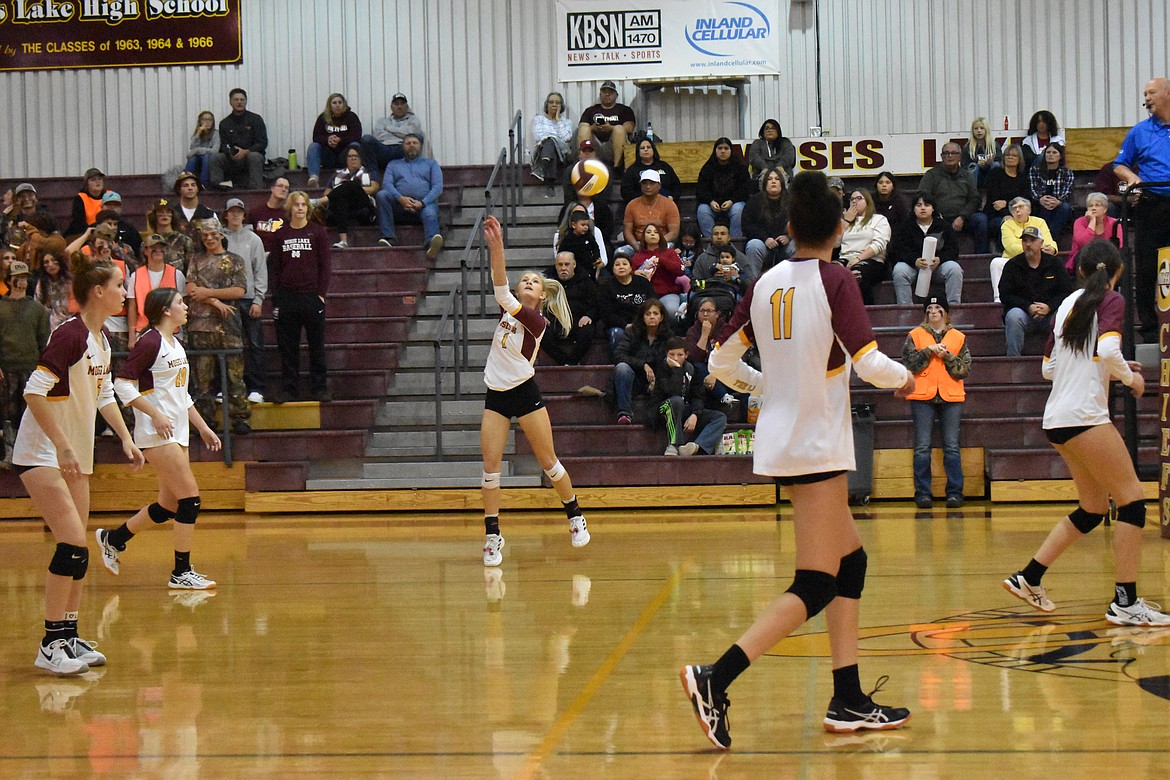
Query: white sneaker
[(190, 580), (493, 546), (434, 245), (341, 245), (728, 400), (83, 650), (578, 531), (109, 551), (688, 449), (313, 182), (1141, 613), (671, 450), (1033, 595), (255, 398), (58, 658)]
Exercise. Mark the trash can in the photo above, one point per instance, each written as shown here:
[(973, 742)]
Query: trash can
[(861, 480)]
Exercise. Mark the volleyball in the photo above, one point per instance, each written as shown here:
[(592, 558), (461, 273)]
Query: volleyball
[(590, 177)]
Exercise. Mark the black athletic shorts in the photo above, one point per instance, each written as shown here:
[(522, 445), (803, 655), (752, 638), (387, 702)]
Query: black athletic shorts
[(807, 479), (1061, 435), (517, 402)]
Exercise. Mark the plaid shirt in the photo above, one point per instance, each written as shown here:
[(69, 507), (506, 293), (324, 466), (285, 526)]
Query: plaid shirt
[(1045, 182)]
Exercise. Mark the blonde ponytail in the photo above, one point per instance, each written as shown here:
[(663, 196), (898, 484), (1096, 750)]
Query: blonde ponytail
[(557, 304)]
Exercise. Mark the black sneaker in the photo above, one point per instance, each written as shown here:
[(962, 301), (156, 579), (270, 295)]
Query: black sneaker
[(710, 705), (923, 502), (841, 719), (954, 502)]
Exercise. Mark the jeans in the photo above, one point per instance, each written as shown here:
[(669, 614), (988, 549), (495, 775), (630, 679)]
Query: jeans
[(615, 338), (200, 164), (1017, 324), (949, 415), (709, 427), (624, 380), (706, 218), (376, 155), (760, 258), (977, 227), (389, 210), (319, 155), (224, 168), (670, 304), (1056, 218), (254, 369), (906, 277)]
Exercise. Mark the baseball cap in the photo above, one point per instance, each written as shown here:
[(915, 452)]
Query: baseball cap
[(936, 302), (398, 96), (1031, 232), (25, 187), (609, 85), (624, 251), (16, 268), (836, 182), (154, 239), (650, 175), (111, 196), (586, 146), (234, 203), (94, 173)]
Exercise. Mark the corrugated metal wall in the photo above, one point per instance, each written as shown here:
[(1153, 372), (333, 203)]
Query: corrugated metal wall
[(889, 66)]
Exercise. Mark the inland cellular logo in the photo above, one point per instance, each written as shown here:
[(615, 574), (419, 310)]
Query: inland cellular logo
[(742, 23)]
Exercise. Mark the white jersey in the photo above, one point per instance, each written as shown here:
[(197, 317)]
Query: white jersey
[(74, 374), (1080, 380), (807, 319), (157, 369), (514, 344)]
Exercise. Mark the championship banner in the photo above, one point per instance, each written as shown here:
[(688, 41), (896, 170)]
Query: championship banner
[(643, 39), (1163, 302), (50, 34)]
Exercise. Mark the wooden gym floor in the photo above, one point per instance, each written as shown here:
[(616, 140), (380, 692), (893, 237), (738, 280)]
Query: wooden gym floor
[(379, 646)]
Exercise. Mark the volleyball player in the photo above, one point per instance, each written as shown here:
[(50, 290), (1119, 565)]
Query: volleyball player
[(807, 319), (54, 451), (512, 391), (153, 381), (1083, 352)]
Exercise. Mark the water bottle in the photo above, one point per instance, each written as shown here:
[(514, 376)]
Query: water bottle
[(649, 131), (292, 159)]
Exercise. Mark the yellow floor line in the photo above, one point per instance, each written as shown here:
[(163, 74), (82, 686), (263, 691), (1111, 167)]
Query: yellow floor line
[(537, 757)]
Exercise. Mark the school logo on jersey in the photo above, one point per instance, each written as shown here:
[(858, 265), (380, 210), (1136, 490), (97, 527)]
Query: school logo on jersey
[(1076, 643)]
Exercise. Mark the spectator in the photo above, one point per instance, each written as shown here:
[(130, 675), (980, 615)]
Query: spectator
[(956, 197), (723, 188), (650, 208), (411, 187), (1005, 183), (724, 283), (642, 347), (765, 224), (552, 132), (1106, 184), (7, 258), (155, 273), (24, 331), (1043, 129), (8, 209), (905, 254), (660, 264), (268, 217), (204, 143), (689, 245), (609, 125), (709, 258), (568, 349), (981, 152), (336, 128), (243, 142), (937, 355), (25, 204), (700, 338), (596, 205), (87, 202), (385, 143), (120, 248), (244, 242), (190, 212), (128, 232), (55, 287), (1012, 229), (1052, 185), (863, 244), (299, 271), (216, 279), (178, 247), (679, 394), (349, 198), (583, 240), (619, 299), (40, 235), (772, 150), (889, 202), (1032, 287), (1095, 224), (647, 159)]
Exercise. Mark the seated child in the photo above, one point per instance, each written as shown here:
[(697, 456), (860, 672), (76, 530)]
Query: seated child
[(681, 395)]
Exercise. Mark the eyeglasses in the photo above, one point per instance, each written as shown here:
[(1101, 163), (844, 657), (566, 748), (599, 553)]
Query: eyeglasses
[(950, 154), (707, 311), (857, 197)]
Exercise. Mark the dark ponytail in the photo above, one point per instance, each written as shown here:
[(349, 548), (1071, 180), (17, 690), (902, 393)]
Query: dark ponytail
[(1097, 262)]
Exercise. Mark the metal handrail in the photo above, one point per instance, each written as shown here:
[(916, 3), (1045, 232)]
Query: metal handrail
[(451, 311)]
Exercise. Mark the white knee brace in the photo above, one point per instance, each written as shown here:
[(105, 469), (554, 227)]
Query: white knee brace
[(556, 472), (491, 479)]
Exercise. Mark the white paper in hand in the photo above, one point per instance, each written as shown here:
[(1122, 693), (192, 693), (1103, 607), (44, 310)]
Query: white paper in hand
[(922, 288)]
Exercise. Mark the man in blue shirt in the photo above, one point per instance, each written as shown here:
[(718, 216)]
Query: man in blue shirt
[(1145, 156), (410, 190)]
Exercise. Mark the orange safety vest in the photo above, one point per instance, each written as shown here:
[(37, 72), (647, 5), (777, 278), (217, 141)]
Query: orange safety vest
[(142, 288), (92, 205), (935, 379)]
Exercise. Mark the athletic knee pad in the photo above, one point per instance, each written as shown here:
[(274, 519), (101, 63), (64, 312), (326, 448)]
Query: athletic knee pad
[(1134, 514), (851, 575), (188, 510), (159, 513), (491, 479), (69, 560), (1086, 521), (815, 588), (556, 472)]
